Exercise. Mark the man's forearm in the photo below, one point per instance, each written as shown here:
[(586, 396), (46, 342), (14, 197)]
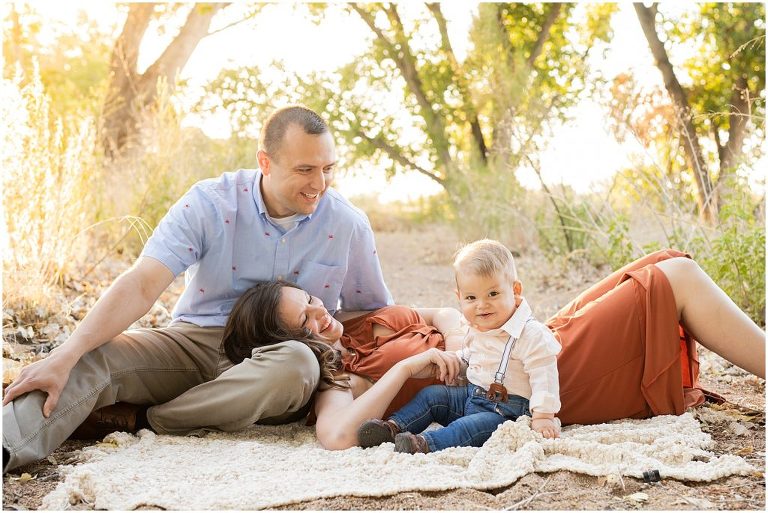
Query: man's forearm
[(122, 304)]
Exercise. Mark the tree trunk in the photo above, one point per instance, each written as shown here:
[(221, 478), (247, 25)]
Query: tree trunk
[(730, 153), (399, 51), (129, 92), (705, 198), (502, 131), (461, 83)]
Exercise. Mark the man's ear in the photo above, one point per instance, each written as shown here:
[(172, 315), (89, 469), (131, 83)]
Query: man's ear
[(517, 287), (263, 159)]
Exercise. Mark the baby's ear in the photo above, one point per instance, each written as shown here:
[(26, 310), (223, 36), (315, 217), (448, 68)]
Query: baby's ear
[(517, 287), (458, 296)]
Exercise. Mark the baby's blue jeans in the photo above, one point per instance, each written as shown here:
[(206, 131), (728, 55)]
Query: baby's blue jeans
[(468, 416)]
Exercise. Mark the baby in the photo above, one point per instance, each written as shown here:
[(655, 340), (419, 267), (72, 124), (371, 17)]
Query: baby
[(511, 365)]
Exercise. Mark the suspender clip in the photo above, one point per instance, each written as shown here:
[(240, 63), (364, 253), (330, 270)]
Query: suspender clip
[(497, 393)]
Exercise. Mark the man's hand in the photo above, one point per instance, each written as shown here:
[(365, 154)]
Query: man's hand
[(48, 375), (129, 297), (546, 425)]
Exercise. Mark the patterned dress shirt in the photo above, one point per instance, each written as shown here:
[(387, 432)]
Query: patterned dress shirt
[(219, 234)]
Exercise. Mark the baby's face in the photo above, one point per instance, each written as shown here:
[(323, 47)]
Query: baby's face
[(487, 302)]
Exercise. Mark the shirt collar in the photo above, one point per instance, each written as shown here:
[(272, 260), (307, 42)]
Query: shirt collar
[(515, 324), (258, 198), (256, 192)]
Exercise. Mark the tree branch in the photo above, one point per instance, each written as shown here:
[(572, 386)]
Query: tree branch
[(235, 23), (368, 19), (560, 215), (737, 121), (552, 15), (400, 53), (176, 55), (461, 82), (706, 200), (501, 130), (732, 150), (504, 35), (395, 155), (718, 144), (123, 87), (125, 55)]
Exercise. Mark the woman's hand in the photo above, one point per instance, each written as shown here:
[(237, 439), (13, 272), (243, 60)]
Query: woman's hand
[(48, 375), (433, 363), (546, 425)]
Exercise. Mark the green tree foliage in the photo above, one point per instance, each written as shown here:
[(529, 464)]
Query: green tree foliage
[(728, 89), (723, 96), (407, 102), (72, 67)]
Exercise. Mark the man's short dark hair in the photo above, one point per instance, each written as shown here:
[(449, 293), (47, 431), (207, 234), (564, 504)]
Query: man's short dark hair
[(277, 124)]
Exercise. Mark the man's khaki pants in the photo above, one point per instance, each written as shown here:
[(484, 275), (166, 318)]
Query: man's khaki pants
[(182, 369)]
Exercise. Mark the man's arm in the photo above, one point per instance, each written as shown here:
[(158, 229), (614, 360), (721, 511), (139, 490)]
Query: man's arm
[(364, 287), (130, 296)]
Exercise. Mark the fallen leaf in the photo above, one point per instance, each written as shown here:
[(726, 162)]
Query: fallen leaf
[(638, 497), (748, 449), (11, 370), (26, 476), (738, 429), (699, 503)]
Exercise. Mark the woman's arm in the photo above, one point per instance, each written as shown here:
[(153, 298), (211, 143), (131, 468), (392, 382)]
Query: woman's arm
[(448, 322), (339, 415)]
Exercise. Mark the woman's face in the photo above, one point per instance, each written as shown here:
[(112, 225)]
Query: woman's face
[(297, 309)]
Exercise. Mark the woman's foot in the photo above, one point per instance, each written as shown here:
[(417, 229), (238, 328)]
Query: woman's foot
[(375, 432), (410, 443)]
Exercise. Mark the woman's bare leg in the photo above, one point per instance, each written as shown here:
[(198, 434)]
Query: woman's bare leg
[(712, 318)]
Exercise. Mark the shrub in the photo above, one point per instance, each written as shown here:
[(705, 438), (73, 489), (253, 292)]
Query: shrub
[(48, 173)]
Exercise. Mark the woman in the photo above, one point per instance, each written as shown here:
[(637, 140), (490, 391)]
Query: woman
[(628, 346)]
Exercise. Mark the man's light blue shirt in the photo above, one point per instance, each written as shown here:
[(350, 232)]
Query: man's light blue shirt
[(219, 233)]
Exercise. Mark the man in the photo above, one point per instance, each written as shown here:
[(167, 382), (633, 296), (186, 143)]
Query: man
[(279, 222)]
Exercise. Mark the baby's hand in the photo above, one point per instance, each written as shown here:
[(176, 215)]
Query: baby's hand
[(548, 427)]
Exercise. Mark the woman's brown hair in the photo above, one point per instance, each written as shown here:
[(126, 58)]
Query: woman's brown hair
[(255, 322)]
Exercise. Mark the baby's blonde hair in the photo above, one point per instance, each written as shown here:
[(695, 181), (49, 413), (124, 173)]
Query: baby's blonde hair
[(485, 257)]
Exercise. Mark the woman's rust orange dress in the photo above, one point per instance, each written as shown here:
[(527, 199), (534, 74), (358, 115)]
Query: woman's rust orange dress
[(371, 356), (624, 354)]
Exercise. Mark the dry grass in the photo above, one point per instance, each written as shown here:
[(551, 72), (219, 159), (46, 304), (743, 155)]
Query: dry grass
[(48, 177)]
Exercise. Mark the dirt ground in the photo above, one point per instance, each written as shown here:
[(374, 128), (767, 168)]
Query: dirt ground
[(417, 269)]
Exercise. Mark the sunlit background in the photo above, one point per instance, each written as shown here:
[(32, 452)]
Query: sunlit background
[(583, 152), (586, 159)]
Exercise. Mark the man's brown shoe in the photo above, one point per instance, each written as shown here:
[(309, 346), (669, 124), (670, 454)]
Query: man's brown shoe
[(106, 420)]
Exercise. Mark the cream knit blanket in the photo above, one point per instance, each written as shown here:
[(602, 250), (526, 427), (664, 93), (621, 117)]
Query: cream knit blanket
[(268, 466)]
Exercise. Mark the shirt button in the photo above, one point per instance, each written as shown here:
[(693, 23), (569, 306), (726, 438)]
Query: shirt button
[(280, 277), (282, 241)]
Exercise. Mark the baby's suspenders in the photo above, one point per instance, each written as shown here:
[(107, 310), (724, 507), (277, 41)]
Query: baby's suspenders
[(497, 391)]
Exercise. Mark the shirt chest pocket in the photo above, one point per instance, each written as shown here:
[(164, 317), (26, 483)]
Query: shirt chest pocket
[(323, 281)]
